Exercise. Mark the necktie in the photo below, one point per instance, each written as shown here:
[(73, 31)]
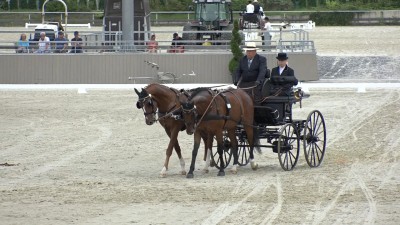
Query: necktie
[(249, 63)]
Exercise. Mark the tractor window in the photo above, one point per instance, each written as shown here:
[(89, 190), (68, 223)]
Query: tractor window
[(211, 12)]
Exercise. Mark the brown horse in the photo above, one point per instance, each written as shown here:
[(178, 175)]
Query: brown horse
[(160, 101), (209, 112)]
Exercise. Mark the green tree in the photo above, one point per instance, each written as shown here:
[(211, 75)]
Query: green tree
[(235, 47)]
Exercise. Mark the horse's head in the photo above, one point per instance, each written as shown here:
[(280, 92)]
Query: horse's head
[(148, 105), (189, 115)]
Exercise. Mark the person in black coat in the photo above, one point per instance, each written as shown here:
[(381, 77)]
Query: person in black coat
[(251, 71), (282, 77)]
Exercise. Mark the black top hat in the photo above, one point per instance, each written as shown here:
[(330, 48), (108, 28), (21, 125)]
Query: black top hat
[(282, 56)]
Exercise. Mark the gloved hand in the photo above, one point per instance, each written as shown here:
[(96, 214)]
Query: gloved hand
[(258, 82), (235, 83)]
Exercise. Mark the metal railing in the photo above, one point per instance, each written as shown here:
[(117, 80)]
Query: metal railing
[(112, 42)]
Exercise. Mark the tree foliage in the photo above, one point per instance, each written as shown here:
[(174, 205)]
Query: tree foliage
[(235, 47)]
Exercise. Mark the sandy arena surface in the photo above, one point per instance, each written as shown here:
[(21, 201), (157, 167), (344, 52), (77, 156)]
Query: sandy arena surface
[(90, 159)]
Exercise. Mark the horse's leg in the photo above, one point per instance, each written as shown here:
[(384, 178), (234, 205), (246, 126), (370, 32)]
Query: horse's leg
[(196, 145), (250, 139), (220, 153), (178, 150), (234, 144), (208, 141), (173, 139)]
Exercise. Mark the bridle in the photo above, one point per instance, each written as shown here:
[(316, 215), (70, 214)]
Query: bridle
[(150, 101)]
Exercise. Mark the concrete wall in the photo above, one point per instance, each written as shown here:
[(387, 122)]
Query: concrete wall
[(116, 68)]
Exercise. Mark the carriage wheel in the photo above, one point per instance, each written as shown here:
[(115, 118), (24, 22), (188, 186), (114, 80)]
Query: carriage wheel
[(167, 78), (314, 139), (227, 153), (243, 152), (288, 147)]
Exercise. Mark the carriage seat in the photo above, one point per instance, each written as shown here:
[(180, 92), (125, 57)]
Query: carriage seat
[(270, 86), (250, 17)]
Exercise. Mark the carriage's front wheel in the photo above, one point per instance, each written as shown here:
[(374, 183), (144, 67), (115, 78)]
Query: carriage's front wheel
[(288, 148), (314, 139)]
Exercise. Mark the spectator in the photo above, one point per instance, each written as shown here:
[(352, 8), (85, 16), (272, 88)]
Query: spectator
[(23, 44), (61, 43), (266, 33), (76, 43), (44, 44), (152, 45), (207, 43), (177, 44)]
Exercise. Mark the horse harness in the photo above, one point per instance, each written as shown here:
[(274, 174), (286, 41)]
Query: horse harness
[(218, 116)]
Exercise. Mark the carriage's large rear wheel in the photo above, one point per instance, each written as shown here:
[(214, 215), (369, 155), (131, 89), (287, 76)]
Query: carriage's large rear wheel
[(314, 139), (226, 155), (288, 148)]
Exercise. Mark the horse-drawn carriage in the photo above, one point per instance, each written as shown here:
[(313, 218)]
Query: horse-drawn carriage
[(238, 126)]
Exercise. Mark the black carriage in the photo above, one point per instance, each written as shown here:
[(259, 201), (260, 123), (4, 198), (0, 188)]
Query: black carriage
[(277, 130)]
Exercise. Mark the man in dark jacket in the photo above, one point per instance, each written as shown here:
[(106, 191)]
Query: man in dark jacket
[(282, 76), (251, 71)]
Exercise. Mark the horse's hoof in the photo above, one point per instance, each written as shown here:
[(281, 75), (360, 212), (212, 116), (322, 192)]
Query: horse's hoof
[(183, 172), (212, 163), (234, 171), (221, 173), (254, 166), (189, 175), (163, 175), (206, 170)]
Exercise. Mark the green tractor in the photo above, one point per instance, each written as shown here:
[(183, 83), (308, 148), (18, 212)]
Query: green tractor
[(210, 15)]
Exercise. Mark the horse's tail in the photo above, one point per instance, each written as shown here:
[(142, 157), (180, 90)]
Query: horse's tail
[(256, 139)]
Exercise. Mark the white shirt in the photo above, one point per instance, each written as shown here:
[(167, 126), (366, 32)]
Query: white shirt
[(250, 8), (267, 26), (43, 43), (281, 70)]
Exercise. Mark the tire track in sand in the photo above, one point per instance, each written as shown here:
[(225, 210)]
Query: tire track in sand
[(227, 208), (65, 158)]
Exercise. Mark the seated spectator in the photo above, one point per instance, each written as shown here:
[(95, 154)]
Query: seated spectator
[(152, 45), (207, 43), (76, 43), (23, 44), (44, 44), (61, 43), (177, 44)]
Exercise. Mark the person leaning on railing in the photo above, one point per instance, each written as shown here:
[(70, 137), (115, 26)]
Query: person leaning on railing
[(23, 44), (76, 43), (61, 43), (177, 44), (152, 45)]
